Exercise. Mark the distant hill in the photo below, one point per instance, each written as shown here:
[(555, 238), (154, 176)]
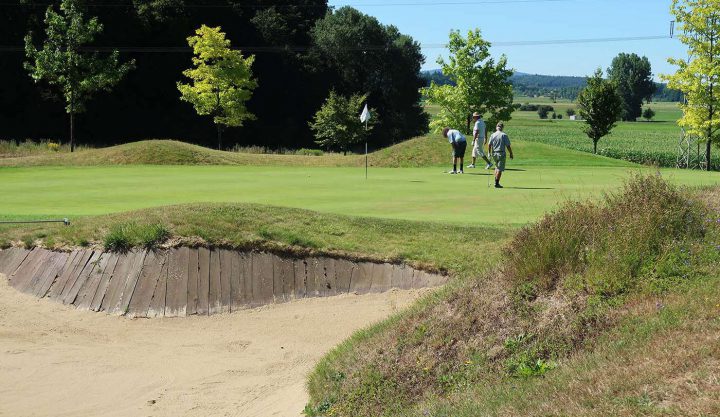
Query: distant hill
[(559, 86)]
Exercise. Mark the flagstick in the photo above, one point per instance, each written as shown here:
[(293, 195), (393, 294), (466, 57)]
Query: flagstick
[(366, 153)]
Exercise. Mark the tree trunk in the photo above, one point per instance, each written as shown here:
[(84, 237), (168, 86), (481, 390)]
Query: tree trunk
[(595, 141), (219, 135), (72, 123), (708, 165)]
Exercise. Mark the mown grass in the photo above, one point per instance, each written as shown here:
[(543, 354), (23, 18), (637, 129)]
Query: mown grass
[(564, 283)]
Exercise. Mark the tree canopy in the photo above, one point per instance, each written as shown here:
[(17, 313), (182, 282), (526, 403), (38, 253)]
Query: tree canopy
[(337, 124), (699, 77), (600, 105), (478, 84), (221, 80), (633, 77), (64, 64)]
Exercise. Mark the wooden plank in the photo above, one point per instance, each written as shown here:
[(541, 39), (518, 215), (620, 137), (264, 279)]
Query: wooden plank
[(32, 271), (28, 267), (284, 276), (312, 282), (177, 282), (226, 280), (262, 278), (361, 281), (63, 263), (381, 277), (146, 283), (76, 273), (87, 293), (5, 257), (300, 278), (108, 272), (129, 285), (329, 276), (203, 281), (406, 277), (124, 264), (70, 272), (84, 276), (159, 298), (246, 266), (192, 285), (236, 280), (42, 284), (215, 295), (14, 262), (343, 273)]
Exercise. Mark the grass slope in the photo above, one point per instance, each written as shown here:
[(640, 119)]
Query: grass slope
[(470, 346)]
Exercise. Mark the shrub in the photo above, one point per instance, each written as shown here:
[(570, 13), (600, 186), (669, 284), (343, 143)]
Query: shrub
[(544, 110), (570, 112), (310, 152), (528, 107), (648, 114), (604, 247)]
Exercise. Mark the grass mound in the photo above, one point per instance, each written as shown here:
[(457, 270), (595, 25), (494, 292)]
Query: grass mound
[(561, 284), (428, 245), (430, 150)]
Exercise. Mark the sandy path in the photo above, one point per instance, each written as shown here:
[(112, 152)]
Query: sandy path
[(57, 361)]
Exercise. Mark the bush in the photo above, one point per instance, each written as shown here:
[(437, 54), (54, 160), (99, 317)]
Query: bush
[(648, 114), (310, 152), (528, 107), (544, 110), (602, 248), (570, 112)]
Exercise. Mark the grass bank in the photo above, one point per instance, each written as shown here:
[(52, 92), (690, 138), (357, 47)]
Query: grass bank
[(567, 280)]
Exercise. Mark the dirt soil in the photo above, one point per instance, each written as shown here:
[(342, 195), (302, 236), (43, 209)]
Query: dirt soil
[(58, 361)]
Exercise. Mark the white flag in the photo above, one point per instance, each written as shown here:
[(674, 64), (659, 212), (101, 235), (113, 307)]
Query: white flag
[(365, 115)]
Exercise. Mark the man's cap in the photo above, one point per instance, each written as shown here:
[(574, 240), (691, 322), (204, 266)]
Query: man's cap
[(500, 124), (476, 114)]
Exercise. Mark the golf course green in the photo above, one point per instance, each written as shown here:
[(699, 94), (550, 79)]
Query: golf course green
[(540, 178)]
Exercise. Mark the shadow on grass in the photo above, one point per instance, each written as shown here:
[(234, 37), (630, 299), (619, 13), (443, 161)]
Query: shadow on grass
[(529, 188)]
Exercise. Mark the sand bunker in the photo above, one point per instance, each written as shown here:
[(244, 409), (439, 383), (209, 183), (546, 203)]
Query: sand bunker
[(188, 281)]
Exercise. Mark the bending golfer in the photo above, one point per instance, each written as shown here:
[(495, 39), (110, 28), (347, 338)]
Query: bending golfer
[(499, 141), (479, 133), (458, 142)]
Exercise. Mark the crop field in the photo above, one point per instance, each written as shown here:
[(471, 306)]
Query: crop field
[(653, 143)]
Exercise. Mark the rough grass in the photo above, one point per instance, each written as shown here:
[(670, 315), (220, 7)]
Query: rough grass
[(522, 320), (429, 245), (430, 150)]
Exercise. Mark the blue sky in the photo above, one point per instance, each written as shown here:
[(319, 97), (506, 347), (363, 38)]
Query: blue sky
[(429, 23)]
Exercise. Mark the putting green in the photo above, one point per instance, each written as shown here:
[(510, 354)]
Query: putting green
[(402, 193)]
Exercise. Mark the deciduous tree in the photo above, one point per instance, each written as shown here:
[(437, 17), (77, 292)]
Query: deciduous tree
[(600, 105), (68, 64), (337, 124), (648, 114), (480, 84), (221, 80), (633, 77), (699, 77)]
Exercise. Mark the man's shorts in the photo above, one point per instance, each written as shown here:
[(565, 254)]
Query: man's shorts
[(477, 151), (459, 149), (499, 159)]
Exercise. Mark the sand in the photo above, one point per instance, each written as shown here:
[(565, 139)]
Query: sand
[(58, 361)]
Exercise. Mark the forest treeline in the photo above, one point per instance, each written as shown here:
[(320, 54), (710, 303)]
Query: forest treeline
[(303, 51), (557, 86)]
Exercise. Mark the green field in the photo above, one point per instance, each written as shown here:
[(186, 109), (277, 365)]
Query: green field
[(653, 143), (533, 186)]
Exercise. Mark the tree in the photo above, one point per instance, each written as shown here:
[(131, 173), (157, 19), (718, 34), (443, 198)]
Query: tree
[(698, 78), (544, 110), (480, 84), (600, 105), (570, 111), (648, 114), (337, 124), (355, 52), (221, 80), (65, 62), (633, 77)]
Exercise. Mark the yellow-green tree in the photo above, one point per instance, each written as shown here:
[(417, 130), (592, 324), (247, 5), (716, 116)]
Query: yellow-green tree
[(478, 84), (698, 77), (221, 80)]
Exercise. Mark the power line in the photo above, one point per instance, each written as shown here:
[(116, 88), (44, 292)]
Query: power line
[(263, 6), (302, 48)]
